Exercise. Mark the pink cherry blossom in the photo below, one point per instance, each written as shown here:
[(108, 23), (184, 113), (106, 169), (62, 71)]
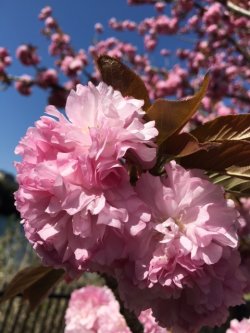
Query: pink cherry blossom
[(160, 6), (24, 84), (184, 252), (99, 28), (27, 55), (149, 323), (71, 65), (187, 308), (45, 12), (192, 220), (47, 78), (94, 310), (50, 22), (74, 196), (242, 326), (5, 59)]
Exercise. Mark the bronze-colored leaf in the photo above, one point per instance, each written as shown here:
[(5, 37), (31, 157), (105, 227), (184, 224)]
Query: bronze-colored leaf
[(121, 78), (34, 283), (236, 185), (183, 144), (231, 157), (232, 127), (172, 116), (40, 290)]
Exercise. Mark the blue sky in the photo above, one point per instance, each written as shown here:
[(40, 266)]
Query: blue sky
[(19, 24)]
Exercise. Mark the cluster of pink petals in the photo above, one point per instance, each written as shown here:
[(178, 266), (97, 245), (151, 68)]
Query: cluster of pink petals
[(114, 48), (242, 326), (5, 59), (173, 83), (74, 196), (203, 300), (73, 65), (149, 323), (188, 264), (170, 241), (59, 43), (23, 84), (94, 310), (121, 26), (46, 78), (45, 13), (27, 55)]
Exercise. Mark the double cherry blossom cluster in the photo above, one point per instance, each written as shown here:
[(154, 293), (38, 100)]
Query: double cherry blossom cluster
[(89, 202)]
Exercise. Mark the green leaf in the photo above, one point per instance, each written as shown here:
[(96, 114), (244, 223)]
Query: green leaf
[(232, 127), (120, 77), (172, 116), (230, 157), (236, 185), (34, 283)]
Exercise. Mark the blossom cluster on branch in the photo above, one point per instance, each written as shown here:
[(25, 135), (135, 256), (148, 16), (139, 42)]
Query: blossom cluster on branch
[(216, 38), (142, 190), (97, 194)]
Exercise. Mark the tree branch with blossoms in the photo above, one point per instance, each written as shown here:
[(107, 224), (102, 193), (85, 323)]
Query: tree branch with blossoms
[(225, 50), (150, 193), (144, 243)]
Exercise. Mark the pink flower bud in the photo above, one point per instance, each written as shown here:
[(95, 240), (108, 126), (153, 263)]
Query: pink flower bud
[(150, 42), (213, 13), (192, 22), (182, 54), (241, 22), (99, 28), (60, 38), (231, 70), (45, 12), (71, 66), (165, 52), (212, 28), (242, 326), (160, 6), (47, 78), (3, 52), (115, 53), (129, 25), (23, 85), (26, 54), (7, 60), (50, 22)]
